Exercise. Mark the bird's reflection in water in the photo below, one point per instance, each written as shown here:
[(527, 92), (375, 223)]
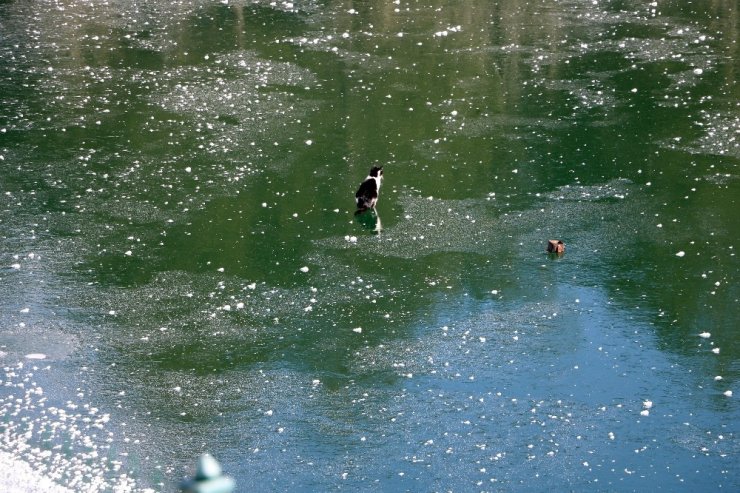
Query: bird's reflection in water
[(369, 220)]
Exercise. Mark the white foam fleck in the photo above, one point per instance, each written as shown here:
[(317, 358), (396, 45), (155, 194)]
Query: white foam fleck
[(36, 356)]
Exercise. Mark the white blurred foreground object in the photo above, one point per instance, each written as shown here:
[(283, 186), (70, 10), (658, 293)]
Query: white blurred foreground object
[(208, 478)]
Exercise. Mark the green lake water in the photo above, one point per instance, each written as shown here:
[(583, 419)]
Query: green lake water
[(182, 271)]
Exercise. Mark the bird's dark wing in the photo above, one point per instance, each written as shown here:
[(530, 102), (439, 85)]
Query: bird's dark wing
[(368, 189)]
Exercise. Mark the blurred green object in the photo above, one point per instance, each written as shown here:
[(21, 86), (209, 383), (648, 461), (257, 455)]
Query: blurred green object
[(208, 478)]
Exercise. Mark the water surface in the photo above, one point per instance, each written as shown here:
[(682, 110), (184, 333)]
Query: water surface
[(181, 269)]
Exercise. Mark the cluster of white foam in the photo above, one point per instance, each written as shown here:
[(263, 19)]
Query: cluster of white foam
[(55, 448)]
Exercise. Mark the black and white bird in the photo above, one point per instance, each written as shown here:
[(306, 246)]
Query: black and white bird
[(367, 194)]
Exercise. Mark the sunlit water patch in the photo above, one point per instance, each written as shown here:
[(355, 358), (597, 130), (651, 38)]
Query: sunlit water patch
[(69, 442)]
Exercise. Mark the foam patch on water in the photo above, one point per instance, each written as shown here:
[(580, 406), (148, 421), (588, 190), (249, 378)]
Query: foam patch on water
[(430, 225), (221, 320), (721, 134), (24, 479), (68, 443), (615, 189)]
